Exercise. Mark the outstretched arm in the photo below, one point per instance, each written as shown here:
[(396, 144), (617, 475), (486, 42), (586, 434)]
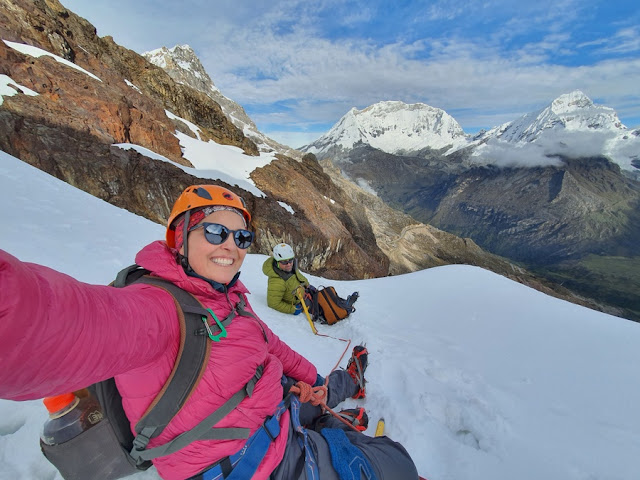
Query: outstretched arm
[(58, 334)]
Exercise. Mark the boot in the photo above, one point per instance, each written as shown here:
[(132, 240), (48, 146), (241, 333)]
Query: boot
[(357, 417), (351, 299), (356, 368)]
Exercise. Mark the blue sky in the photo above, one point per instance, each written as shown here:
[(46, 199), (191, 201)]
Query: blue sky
[(298, 66)]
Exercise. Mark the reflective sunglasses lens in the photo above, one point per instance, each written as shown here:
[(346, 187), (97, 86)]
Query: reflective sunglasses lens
[(216, 233), (243, 238)]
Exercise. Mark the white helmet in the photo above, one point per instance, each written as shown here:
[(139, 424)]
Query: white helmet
[(282, 251)]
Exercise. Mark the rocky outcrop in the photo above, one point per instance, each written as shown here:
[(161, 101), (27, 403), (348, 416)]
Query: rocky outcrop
[(126, 104), (69, 127), (412, 246), (325, 220), (183, 65)]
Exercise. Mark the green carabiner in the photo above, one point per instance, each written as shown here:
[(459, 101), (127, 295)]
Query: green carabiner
[(223, 331)]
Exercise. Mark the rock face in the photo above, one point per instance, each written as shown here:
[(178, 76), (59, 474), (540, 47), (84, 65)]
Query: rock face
[(183, 65), (328, 214), (70, 124)]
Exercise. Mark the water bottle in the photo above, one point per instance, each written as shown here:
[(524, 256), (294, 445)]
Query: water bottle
[(69, 416)]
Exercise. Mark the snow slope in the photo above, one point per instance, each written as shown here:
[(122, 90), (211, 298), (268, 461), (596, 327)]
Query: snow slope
[(478, 376)]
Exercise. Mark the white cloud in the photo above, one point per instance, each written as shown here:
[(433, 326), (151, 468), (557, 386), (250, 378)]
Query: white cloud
[(282, 52), (503, 154)]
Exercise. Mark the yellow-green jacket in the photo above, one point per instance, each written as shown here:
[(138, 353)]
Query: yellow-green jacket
[(281, 285)]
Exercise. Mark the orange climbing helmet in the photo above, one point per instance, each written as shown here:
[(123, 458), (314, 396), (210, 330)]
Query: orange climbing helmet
[(197, 196)]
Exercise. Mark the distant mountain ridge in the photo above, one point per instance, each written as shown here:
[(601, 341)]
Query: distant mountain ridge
[(556, 189), (572, 111), (570, 123), (183, 65), (393, 127)]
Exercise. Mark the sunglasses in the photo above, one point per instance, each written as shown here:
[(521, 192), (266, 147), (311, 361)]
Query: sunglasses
[(217, 234), (286, 262)]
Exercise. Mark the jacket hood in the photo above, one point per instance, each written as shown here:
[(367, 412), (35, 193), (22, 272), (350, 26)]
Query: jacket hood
[(267, 268), (162, 261)]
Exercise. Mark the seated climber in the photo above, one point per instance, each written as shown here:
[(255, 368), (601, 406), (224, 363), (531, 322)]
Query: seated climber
[(284, 277)]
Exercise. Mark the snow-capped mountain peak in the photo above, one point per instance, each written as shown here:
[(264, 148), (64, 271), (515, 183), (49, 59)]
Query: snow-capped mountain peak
[(572, 125), (183, 65), (575, 100), (393, 127), (572, 111)]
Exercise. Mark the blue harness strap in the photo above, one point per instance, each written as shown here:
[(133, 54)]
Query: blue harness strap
[(245, 461)]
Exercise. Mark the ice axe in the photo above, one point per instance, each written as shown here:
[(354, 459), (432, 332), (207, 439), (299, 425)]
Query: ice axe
[(300, 295)]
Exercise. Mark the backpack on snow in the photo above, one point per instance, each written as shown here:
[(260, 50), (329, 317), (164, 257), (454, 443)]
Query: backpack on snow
[(109, 450), (327, 306)]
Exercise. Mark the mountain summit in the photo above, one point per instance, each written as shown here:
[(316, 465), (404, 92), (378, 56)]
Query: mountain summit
[(572, 112), (183, 66), (392, 127), (572, 126)]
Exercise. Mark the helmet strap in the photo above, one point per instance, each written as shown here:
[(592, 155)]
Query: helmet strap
[(184, 260)]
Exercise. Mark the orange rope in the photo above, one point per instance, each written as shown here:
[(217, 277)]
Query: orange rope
[(299, 292), (343, 353), (314, 395), (317, 397)]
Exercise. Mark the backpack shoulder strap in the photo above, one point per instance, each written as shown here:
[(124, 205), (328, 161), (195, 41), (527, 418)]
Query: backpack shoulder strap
[(191, 361), (316, 306), (129, 275), (190, 365)]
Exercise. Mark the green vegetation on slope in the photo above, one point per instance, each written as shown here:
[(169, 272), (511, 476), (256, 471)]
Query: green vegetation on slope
[(607, 279)]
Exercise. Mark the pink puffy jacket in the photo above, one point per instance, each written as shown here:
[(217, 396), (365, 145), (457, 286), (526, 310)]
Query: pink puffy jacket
[(58, 335)]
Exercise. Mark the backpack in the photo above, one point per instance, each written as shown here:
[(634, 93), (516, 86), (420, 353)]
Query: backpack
[(109, 450), (327, 306)]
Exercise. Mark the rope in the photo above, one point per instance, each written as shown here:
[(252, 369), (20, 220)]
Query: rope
[(299, 292), (314, 395), (317, 397), (343, 353)]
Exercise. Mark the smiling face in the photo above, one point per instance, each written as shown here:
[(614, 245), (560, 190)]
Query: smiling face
[(221, 262)]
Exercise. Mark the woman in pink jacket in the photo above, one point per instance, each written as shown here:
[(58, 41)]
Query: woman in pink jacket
[(59, 335)]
